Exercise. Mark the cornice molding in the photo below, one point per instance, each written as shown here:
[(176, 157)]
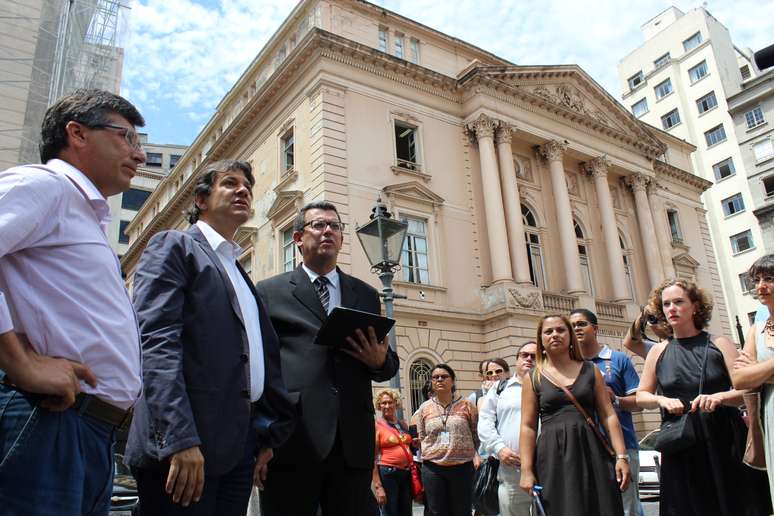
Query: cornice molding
[(680, 175)]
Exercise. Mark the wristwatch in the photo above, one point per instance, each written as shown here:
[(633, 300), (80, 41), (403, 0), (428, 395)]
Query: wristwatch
[(617, 402)]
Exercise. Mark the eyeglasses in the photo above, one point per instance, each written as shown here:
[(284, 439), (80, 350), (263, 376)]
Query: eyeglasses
[(496, 371), (524, 356), (320, 224), (440, 377), (581, 324), (129, 134)]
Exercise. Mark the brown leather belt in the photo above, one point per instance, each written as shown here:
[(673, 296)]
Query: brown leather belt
[(92, 406)]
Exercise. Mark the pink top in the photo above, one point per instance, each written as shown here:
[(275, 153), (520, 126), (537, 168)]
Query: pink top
[(448, 435), (60, 282)]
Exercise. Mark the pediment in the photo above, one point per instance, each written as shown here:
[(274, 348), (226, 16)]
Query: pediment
[(283, 202), (414, 191), (685, 260)]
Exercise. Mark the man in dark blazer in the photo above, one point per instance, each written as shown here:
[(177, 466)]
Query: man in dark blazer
[(328, 460), (214, 398)]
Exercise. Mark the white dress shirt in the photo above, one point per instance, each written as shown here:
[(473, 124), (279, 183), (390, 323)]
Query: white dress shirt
[(499, 420), (60, 282), (334, 285), (228, 252)]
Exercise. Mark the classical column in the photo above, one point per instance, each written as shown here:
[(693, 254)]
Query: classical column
[(662, 232), (483, 127), (513, 220), (639, 184), (597, 168), (553, 152)]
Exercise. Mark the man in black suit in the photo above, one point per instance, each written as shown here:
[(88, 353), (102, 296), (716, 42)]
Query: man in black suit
[(328, 460), (213, 396)]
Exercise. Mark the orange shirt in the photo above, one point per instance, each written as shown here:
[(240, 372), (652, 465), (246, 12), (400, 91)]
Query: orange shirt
[(392, 449)]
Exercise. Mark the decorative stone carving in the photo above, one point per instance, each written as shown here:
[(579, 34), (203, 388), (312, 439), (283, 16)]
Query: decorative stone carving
[(527, 298), (614, 195), (571, 178), (504, 133), (637, 182), (523, 168), (597, 166), (553, 150), (568, 96), (483, 126)]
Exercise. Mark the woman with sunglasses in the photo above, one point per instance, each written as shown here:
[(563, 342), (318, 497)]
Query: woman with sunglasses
[(446, 426), (579, 477)]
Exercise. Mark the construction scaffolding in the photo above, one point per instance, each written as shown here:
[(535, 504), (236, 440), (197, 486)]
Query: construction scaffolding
[(49, 48)]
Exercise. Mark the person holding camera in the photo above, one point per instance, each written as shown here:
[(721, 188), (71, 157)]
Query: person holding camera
[(636, 339)]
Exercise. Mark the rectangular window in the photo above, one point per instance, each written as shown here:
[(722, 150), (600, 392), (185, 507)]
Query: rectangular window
[(746, 282), (663, 89), (635, 80), (698, 71), (745, 71), (414, 255), (152, 159), (399, 46), (173, 159), (763, 150), (414, 56), (724, 169), (287, 144), (661, 61), (123, 238), (715, 135), (134, 198), (383, 39), (692, 42), (406, 145), (754, 117), (288, 251), (733, 204), (671, 119), (742, 242), (707, 102), (640, 108), (768, 186), (674, 226)]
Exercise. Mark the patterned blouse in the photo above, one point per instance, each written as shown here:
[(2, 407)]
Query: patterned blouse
[(448, 435)]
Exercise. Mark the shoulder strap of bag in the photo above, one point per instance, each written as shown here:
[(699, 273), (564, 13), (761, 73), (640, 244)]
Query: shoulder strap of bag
[(403, 447), (583, 412), (501, 386), (704, 364)]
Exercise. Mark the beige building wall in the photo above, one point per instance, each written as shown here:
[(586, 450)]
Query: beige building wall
[(489, 139)]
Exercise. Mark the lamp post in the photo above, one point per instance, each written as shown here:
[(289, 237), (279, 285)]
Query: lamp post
[(382, 240)]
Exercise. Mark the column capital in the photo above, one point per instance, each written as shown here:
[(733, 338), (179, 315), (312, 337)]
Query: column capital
[(597, 167), (504, 133), (637, 182), (483, 126), (553, 150)]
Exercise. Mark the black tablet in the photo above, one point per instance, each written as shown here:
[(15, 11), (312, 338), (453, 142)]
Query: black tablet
[(342, 323)]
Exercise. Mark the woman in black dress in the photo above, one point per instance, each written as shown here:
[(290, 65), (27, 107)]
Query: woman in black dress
[(578, 476), (708, 477)]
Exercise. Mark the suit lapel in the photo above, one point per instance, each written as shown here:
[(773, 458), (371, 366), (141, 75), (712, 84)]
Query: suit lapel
[(210, 252), (304, 291), (348, 294)]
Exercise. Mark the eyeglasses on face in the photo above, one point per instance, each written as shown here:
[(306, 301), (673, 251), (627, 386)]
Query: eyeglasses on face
[(524, 355), (494, 372), (440, 377), (129, 134), (581, 324), (320, 224)]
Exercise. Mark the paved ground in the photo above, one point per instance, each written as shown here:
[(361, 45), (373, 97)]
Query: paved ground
[(651, 509)]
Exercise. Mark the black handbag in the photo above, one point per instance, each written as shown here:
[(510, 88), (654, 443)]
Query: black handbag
[(485, 487), (679, 434)]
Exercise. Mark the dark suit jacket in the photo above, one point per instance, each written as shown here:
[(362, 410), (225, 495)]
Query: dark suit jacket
[(195, 360), (334, 388)]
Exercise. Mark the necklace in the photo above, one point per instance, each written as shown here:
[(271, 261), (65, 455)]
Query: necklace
[(769, 328)]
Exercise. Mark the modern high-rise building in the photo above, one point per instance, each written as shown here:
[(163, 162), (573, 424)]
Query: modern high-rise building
[(47, 49), (679, 81)]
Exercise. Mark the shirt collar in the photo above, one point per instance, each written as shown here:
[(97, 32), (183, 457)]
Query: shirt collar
[(230, 249), (86, 186), (605, 353), (333, 276)]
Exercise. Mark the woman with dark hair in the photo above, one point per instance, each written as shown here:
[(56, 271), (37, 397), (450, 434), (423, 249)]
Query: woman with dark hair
[(446, 426), (754, 368), (579, 477), (690, 374)]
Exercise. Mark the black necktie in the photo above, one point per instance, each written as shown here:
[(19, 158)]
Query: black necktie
[(321, 286)]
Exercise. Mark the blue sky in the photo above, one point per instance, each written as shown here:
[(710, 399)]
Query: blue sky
[(182, 56)]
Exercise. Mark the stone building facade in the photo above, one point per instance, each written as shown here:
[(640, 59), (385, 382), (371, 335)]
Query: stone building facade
[(528, 189)]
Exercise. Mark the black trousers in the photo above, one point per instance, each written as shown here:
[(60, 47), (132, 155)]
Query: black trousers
[(330, 486), (397, 487), (448, 489)]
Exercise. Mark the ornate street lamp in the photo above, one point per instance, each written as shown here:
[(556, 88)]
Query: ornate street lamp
[(382, 240)]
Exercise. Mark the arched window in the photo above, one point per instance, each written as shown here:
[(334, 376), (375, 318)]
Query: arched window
[(585, 259), (419, 374), (627, 260), (534, 248)]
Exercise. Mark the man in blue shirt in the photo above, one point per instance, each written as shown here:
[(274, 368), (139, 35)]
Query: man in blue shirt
[(622, 382)]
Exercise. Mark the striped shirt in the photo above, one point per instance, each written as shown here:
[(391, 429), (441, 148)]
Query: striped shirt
[(448, 435)]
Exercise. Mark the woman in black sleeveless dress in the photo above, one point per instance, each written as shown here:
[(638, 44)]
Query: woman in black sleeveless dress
[(578, 476), (709, 477)]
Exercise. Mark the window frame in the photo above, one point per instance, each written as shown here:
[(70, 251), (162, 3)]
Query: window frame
[(718, 128), (658, 87), (407, 252), (734, 239), (156, 162), (643, 101), (399, 46), (745, 283), (125, 197), (765, 157), (668, 117), (675, 229), (537, 271), (286, 245), (756, 117), (383, 39), (766, 193), (174, 159), (289, 135), (407, 164), (414, 50), (689, 43), (717, 167), (700, 102), (123, 238), (699, 67), (639, 76), (730, 203), (662, 61)]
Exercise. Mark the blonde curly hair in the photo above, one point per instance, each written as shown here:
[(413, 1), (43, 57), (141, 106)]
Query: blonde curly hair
[(392, 393), (696, 294)]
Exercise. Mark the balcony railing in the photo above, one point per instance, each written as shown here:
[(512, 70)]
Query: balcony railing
[(560, 303), (611, 310)]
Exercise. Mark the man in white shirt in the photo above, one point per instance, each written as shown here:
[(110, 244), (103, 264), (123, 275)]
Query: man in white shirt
[(214, 399), (499, 424), (69, 345)]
